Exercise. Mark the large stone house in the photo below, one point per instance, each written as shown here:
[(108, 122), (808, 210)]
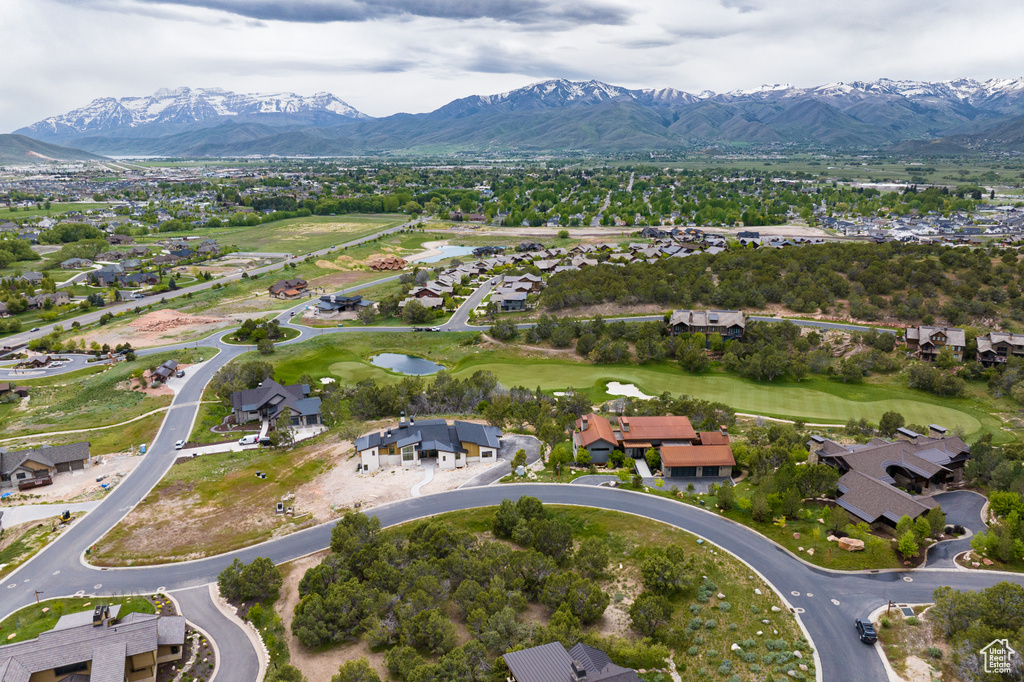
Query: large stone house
[(36, 467), (288, 288), (97, 645), (731, 324), (684, 452), (995, 347), (872, 471), (268, 401), (453, 445), (927, 342)]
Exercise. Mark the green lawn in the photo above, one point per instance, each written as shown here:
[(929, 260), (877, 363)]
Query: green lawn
[(296, 235), (817, 400), (31, 621)]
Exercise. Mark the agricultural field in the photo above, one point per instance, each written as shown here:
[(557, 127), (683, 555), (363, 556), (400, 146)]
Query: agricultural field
[(295, 235), (55, 209)]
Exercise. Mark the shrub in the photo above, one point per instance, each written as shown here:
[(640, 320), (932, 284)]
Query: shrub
[(912, 620), (693, 650), (934, 652), (724, 606), (710, 624), (885, 623), (725, 668), (695, 624)]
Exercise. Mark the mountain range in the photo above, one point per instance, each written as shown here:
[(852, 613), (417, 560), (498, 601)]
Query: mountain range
[(556, 115)]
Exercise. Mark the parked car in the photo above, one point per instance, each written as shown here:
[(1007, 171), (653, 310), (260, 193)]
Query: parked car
[(249, 440), (180, 373), (866, 631), (34, 329), (179, 445)]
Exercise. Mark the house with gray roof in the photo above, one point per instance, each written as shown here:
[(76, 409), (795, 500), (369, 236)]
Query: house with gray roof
[(552, 663), (97, 646), (453, 445), (731, 324), (39, 466), (876, 475), (927, 342), (268, 401)]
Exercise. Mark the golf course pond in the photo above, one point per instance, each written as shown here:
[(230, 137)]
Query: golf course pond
[(406, 364)]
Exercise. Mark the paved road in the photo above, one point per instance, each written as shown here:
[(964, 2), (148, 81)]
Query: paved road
[(829, 624)]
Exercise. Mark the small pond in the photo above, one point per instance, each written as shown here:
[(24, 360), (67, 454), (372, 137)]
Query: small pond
[(449, 252), (406, 364)]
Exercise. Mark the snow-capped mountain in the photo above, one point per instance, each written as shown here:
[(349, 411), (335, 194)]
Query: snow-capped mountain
[(562, 93), (185, 106)]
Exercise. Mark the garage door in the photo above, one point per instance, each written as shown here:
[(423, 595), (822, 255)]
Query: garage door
[(64, 467), (684, 472), (78, 465)]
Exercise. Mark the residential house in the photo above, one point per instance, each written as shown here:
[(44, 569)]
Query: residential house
[(731, 324), (872, 471), (552, 663), (75, 264), (266, 402), (97, 645), (995, 347), (432, 302), (29, 468), (32, 277), (335, 303), (533, 283), (509, 300), (288, 288), (110, 256), (39, 301), (9, 388), (529, 246), (488, 250), (928, 342), (4, 312), (35, 362), (117, 239), (166, 259), (389, 263), (684, 452), (164, 372), (138, 251), (453, 445)]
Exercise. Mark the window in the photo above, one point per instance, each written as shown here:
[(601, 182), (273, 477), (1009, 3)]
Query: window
[(72, 668), (21, 475), (408, 453), (175, 649), (710, 471)]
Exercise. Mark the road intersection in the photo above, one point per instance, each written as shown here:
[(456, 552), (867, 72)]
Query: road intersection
[(825, 601)]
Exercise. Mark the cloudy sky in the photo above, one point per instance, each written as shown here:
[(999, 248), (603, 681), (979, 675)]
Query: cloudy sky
[(386, 56)]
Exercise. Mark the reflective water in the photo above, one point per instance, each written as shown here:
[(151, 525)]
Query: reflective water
[(406, 364)]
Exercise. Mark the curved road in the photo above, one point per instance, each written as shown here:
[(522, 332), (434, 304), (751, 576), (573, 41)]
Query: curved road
[(830, 600)]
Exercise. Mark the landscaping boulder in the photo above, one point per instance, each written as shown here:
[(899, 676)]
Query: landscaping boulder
[(775, 609), (757, 591), (851, 544), (832, 538), (803, 667), (798, 654), (736, 647), (796, 536), (721, 596), (975, 564), (810, 552), (987, 562)]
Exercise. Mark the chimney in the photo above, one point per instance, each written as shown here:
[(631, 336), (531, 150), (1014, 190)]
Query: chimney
[(585, 424), (578, 671), (100, 615), (723, 429), (936, 431), (401, 420), (624, 423)]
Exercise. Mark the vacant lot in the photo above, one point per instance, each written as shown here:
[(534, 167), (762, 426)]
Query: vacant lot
[(298, 235), (66, 403)]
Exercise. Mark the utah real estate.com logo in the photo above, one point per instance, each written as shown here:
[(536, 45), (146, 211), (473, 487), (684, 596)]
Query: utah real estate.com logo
[(998, 656)]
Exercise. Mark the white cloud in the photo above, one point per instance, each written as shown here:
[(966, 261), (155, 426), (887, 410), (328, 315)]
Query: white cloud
[(412, 56)]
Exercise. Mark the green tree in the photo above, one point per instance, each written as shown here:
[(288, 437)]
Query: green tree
[(650, 613), (922, 529), (908, 545), (726, 496), (265, 347), (519, 460), (937, 521), (889, 422), (356, 671), (591, 558), (259, 580), (653, 459)]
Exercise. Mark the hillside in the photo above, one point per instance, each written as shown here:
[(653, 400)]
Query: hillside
[(17, 150)]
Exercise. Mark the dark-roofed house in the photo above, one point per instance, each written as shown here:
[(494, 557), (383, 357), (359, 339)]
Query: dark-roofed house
[(268, 401), (454, 445), (7, 387), (927, 342), (164, 372), (37, 467), (336, 303), (729, 323), (288, 288), (552, 663), (96, 646), (872, 471)]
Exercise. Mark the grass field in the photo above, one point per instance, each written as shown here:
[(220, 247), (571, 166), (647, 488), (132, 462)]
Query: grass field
[(296, 235), (31, 621), (817, 400), (54, 210), (101, 398)]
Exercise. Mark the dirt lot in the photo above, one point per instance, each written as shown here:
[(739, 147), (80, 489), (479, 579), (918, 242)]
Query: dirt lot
[(78, 486), (157, 328)]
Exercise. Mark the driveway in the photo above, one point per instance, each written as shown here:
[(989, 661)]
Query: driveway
[(962, 507), (510, 444)]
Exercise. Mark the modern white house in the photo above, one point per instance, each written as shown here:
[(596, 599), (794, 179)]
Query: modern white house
[(453, 445)]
